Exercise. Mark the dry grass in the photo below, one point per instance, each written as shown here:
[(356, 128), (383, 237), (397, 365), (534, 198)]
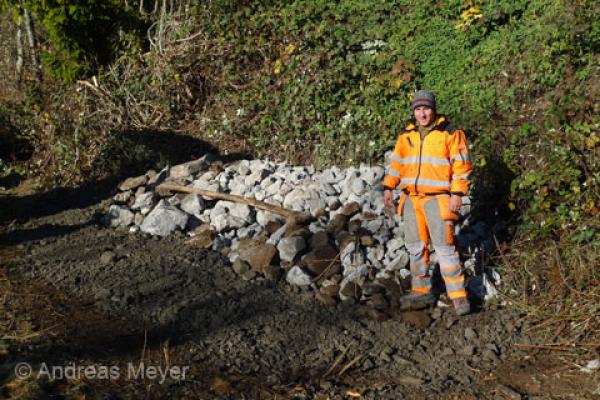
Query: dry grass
[(558, 286)]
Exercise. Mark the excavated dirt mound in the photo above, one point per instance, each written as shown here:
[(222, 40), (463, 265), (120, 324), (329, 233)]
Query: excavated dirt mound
[(251, 339)]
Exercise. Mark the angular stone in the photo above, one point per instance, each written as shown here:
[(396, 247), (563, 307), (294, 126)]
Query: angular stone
[(237, 186), (277, 235), (290, 247), (337, 224), (296, 276), (379, 301), (394, 244), (350, 209), (144, 200), (371, 288), (133, 183), (354, 226), (330, 288), (398, 262), (419, 319), (157, 179), (188, 169), (249, 275), (203, 236), (318, 239), (256, 177), (256, 253), (273, 272), (240, 266), (332, 175), (118, 216), (325, 299), (193, 204), (358, 187), (243, 167), (163, 220), (320, 258), (315, 205), (343, 238), (350, 290), (122, 197), (372, 175), (264, 217), (295, 200)]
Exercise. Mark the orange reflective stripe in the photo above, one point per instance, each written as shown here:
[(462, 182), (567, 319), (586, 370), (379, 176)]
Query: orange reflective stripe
[(451, 269), (457, 294), (459, 279), (423, 290)]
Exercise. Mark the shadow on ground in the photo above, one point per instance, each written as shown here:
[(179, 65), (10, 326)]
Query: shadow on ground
[(133, 154)]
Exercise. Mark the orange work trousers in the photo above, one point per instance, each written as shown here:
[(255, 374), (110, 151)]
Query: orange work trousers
[(428, 217)]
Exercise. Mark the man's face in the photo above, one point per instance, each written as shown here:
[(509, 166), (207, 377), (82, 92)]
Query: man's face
[(424, 115)]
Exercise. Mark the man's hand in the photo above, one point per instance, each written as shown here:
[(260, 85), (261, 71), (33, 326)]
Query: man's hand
[(455, 202), (387, 198)]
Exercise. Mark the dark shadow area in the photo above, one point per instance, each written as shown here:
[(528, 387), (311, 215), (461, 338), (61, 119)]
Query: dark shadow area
[(45, 231), (132, 154), (487, 223), (10, 180)]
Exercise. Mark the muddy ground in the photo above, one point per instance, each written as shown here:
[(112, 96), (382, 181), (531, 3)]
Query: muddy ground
[(76, 293)]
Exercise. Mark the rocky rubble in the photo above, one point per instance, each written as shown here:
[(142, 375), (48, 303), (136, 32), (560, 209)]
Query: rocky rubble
[(351, 251)]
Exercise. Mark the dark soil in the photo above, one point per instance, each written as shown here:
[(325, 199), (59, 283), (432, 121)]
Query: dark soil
[(96, 296)]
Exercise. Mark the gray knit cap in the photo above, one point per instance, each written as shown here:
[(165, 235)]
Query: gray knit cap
[(423, 98)]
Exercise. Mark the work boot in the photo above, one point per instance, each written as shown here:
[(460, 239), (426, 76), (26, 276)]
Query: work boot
[(417, 301), (461, 306)]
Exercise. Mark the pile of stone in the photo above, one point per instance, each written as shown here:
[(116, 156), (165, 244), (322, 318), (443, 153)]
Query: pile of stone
[(351, 250)]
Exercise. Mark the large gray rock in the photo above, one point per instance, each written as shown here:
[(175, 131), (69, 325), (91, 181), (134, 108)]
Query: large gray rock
[(237, 186), (332, 175), (163, 220), (205, 184), (296, 276), (133, 183), (225, 222), (118, 216), (228, 215), (372, 175), (358, 187), (193, 204), (295, 200), (256, 177), (122, 197), (188, 169), (290, 247), (264, 217), (243, 167), (144, 200)]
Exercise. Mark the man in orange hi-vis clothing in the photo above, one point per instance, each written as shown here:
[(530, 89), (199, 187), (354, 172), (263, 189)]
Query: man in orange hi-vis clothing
[(431, 164)]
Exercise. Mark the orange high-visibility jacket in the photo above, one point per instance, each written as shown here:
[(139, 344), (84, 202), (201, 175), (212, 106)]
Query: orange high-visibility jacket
[(438, 164)]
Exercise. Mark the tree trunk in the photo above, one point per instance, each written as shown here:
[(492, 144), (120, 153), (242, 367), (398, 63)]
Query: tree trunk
[(19, 62), (33, 51)]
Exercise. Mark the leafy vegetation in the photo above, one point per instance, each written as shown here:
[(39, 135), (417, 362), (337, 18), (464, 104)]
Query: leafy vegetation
[(330, 82)]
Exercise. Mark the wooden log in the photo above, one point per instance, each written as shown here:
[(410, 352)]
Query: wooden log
[(292, 217)]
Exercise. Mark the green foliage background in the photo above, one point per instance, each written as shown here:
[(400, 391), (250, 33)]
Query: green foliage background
[(330, 82)]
